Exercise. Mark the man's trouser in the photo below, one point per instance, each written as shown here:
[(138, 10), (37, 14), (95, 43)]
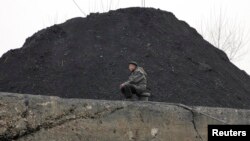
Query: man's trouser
[(130, 91)]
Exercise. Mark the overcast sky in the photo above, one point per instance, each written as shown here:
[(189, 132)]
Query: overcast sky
[(20, 19)]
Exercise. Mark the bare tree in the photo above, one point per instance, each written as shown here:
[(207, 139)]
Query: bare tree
[(98, 5), (143, 3), (226, 34), (81, 10)]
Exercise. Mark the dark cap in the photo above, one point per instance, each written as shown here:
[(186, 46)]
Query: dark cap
[(133, 62)]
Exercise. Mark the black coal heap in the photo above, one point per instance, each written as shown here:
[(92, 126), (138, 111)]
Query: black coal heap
[(87, 58)]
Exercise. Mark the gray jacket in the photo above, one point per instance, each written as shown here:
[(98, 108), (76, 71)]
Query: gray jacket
[(138, 78)]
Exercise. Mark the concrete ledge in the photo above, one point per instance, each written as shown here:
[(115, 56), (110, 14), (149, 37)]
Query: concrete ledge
[(29, 117)]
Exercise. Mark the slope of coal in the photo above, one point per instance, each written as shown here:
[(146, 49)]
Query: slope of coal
[(87, 58)]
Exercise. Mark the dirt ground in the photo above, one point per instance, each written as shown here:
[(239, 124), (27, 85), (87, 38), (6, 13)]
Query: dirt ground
[(87, 58)]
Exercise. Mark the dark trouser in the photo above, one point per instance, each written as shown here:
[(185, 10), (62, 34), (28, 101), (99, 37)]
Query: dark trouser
[(130, 90)]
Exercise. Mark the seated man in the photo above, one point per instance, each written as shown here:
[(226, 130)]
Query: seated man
[(136, 84)]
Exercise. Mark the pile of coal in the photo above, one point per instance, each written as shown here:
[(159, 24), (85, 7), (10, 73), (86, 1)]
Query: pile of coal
[(88, 57)]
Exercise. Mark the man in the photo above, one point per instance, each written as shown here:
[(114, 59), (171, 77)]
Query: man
[(136, 84)]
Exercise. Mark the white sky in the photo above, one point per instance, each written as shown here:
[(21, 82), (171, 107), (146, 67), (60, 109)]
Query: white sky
[(20, 19)]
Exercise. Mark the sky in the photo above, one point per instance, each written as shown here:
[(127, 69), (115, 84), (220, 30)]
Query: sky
[(20, 19)]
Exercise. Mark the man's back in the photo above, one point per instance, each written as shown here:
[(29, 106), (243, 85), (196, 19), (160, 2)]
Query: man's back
[(138, 77)]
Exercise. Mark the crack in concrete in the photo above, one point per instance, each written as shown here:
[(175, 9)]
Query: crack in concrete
[(194, 124), (191, 109), (57, 121), (193, 118), (141, 117)]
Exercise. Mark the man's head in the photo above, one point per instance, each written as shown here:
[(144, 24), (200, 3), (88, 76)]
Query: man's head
[(132, 66)]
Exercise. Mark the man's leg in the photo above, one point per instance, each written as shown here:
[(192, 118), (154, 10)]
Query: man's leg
[(128, 91)]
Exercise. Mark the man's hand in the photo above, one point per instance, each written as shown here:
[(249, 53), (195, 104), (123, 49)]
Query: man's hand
[(122, 85)]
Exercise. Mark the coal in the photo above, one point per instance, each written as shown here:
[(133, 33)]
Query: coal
[(88, 58)]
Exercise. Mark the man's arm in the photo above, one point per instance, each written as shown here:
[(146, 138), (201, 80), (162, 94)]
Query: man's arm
[(137, 77)]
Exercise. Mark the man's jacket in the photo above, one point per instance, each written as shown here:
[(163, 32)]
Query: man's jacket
[(138, 79)]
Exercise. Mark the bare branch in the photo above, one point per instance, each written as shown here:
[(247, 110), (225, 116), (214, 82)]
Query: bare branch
[(225, 34), (79, 8)]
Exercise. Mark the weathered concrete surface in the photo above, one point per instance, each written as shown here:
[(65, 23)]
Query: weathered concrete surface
[(47, 118)]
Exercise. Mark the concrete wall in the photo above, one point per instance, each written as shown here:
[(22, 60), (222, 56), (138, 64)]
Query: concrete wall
[(48, 118)]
